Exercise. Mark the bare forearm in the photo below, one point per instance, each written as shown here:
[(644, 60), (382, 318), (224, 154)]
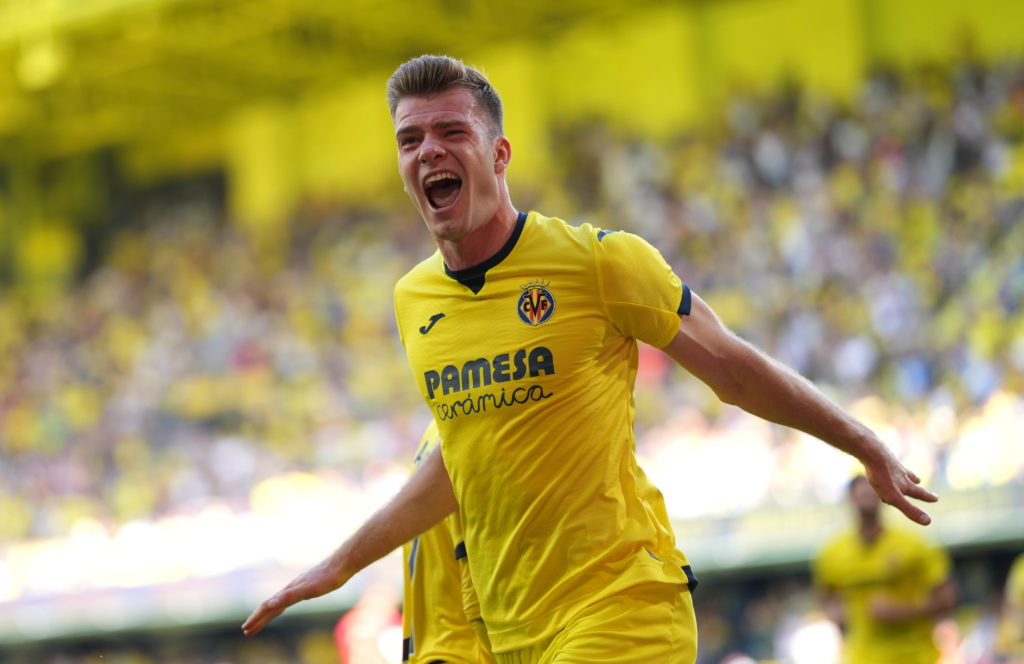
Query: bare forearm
[(765, 387), (425, 499), (940, 601), (746, 377), (833, 608)]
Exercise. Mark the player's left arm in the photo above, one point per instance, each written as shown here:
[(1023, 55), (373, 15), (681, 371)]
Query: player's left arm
[(744, 376)]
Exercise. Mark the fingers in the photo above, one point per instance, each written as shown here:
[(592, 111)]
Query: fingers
[(911, 511), (271, 609), (305, 586), (896, 484), (920, 493), (263, 614), (898, 498)]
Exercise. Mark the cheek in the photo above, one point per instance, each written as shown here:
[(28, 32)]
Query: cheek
[(408, 184)]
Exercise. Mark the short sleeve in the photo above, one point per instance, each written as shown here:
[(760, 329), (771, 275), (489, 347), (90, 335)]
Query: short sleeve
[(640, 292)]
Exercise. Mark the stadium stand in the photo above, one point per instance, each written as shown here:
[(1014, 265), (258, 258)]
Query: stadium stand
[(189, 378)]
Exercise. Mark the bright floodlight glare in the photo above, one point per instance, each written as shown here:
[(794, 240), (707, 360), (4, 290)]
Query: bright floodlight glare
[(816, 641)]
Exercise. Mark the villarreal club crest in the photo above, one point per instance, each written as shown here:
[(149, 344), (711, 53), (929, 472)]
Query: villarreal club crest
[(536, 304)]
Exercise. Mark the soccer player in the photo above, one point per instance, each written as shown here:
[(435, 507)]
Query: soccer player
[(1010, 636), (884, 587), (440, 610), (522, 335)]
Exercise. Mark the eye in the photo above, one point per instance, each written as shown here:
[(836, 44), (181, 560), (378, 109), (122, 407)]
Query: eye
[(453, 132)]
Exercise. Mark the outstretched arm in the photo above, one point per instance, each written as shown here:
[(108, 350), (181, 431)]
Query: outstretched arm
[(744, 376), (424, 501)]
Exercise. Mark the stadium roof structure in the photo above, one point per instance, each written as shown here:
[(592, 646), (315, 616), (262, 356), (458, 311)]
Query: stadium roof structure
[(76, 75)]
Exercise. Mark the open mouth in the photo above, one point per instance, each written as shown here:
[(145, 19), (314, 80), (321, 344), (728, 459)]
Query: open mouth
[(442, 189)]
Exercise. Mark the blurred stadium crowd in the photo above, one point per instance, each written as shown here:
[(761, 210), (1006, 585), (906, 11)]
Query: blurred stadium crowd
[(877, 247)]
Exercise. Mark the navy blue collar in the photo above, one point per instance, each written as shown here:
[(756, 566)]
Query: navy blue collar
[(473, 277)]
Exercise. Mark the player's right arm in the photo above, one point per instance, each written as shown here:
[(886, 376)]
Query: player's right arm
[(425, 500)]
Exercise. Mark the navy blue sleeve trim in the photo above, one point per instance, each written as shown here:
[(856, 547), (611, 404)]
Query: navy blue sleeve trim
[(460, 551), (691, 578), (412, 556), (684, 303), (406, 648)]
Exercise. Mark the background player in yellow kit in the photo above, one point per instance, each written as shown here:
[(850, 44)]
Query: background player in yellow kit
[(1010, 639), (885, 587), (522, 333), (440, 610)]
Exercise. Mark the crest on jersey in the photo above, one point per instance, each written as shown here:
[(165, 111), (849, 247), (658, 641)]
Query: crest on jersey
[(536, 304)]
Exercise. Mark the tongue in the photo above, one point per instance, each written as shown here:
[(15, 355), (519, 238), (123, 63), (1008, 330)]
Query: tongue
[(444, 194)]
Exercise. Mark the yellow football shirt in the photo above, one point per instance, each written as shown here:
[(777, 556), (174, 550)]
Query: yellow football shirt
[(898, 566), (439, 602), (1015, 583), (527, 363), (1010, 637)]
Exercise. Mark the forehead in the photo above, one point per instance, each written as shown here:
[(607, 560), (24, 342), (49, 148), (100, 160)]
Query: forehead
[(453, 104)]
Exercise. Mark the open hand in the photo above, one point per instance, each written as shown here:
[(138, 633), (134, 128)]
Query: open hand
[(894, 484), (314, 582)]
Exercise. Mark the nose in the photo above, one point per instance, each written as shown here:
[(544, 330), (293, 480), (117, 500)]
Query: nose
[(430, 151)]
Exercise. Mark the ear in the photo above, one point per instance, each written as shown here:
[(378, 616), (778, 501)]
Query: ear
[(502, 154)]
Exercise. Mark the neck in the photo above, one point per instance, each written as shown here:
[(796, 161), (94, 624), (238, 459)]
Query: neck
[(482, 243), (870, 528)]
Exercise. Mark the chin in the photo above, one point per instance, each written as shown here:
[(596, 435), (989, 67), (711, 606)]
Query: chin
[(442, 219), (443, 230)]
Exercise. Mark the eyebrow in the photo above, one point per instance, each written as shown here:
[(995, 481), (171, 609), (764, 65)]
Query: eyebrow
[(442, 124)]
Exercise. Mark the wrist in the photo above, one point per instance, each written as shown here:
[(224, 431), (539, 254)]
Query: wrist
[(340, 566), (868, 449)]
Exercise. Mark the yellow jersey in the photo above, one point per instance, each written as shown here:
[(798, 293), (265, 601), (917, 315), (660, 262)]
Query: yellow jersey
[(439, 602), (899, 566), (1015, 583), (527, 363), (1010, 635)]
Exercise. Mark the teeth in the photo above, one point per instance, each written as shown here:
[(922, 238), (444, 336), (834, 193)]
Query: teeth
[(436, 177)]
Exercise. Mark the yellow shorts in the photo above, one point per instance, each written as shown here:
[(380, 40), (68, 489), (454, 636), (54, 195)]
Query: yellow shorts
[(649, 624), (461, 651)]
